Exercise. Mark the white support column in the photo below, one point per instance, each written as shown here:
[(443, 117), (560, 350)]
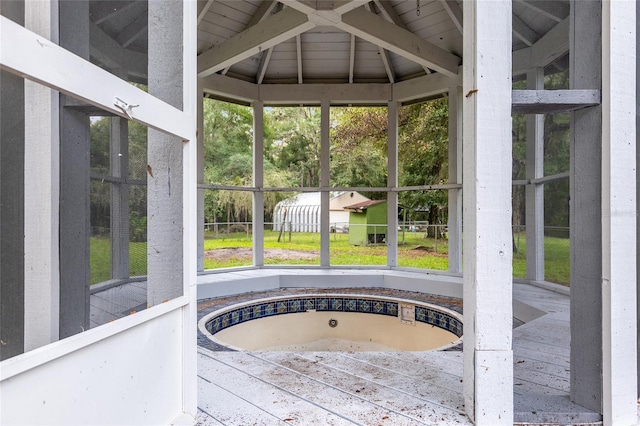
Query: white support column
[(454, 223), (619, 213), (325, 115), (535, 192), (42, 195), (585, 216), (200, 173), (392, 183), (638, 190), (488, 356), (258, 182), (119, 152), (165, 173)]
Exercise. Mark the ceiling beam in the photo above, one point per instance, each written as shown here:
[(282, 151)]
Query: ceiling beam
[(553, 45), (552, 101), (344, 6), (134, 30), (269, 32), (523, 31), (384, 56), (264, 63), (203, 8), (266, 7), (377, 30), (108, 52), (555, 10), (454, 11)]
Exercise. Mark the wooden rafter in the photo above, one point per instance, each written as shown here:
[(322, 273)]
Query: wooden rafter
[(134, 30), (352, 57), (203, 8), (271, 31), (384, 56), (523, 31), (555, 10), (377, 30), (264, 63), (454, 11)]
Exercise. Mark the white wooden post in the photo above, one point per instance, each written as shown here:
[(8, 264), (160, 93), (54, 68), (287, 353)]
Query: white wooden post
[(200, 173), (119, 153), (12, 219), (42, 195), (585, 214), (454, 221), (535, 192), (258, 182), (325, 111), (392, 184), (488, 357), (619, 213), (165, 172)]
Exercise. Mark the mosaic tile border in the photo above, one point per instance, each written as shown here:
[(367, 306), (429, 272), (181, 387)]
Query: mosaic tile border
[(332, 303)]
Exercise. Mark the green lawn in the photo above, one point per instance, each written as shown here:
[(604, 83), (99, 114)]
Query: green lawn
[(413, 251), (100, 259)]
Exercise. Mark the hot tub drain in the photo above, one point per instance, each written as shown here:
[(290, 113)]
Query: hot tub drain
[(333, 322)]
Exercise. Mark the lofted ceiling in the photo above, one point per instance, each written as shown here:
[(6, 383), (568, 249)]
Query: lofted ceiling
[(302, 42)]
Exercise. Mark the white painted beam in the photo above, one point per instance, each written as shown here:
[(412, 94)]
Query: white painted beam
[(41, 190), (264, 63), (313, 93), (377, 30), (454, 11), (390, 14), (392, 183), (534, 194), (344, 6), (110, 53), (454, 222), (266, 7), (522, 31), (384, 56), (487, 157), (619, 213), (325, 166), (555, 10), (258, 182), (553, 45), (425, 87), (271, 31), (66, 72), (200, 173), (227, 87), (552, 101)]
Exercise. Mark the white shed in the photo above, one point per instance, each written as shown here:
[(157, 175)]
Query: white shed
[(302, 211)]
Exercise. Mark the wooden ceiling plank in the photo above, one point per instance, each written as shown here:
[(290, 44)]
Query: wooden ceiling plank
[(271, 31), (377, 30), (203, 8), (454, 11)]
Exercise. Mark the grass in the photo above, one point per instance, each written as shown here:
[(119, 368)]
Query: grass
[(415, 252), (100, 259)]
